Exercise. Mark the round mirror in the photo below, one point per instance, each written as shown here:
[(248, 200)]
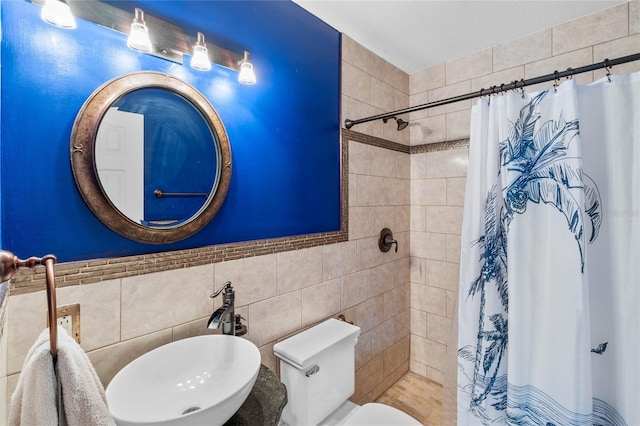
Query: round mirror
[(151, 157)]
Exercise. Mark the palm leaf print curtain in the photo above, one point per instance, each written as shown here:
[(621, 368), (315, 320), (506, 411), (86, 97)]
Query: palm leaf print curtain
[(549, 300)]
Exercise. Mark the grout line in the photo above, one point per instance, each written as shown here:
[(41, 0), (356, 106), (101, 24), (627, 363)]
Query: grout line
[(120, 312)]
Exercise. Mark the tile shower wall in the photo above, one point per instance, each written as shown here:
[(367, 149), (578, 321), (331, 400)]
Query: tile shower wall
[(437, 195), (438, 178), (378, 198), (278, 294), (370, 86)]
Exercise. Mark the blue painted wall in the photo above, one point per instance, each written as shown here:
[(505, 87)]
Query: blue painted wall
[(1, 240), (284, 131)]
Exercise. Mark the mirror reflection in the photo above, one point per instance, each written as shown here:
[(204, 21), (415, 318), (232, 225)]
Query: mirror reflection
[(156, 158), (151, 157)]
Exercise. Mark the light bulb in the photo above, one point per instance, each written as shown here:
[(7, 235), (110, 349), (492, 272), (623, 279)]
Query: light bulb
[(139, 35), (58, 13), (247, 76), (200, 58)]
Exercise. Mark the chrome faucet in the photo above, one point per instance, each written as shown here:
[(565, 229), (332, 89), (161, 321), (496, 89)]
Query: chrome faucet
[(224, 314)]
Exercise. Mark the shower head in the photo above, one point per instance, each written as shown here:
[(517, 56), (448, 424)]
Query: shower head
[(401, 123)]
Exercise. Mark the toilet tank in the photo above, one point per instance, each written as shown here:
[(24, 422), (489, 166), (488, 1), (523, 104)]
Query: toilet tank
[(318, 368)]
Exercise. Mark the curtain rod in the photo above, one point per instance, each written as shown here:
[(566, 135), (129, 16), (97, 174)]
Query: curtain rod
[(606, 64)]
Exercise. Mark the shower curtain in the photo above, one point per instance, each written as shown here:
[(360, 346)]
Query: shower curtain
[(549, 300)]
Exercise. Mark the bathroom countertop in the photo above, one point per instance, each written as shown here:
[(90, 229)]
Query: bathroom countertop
[(264, 404)]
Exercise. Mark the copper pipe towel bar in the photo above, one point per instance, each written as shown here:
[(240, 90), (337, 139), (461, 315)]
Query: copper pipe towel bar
[(9, 265)]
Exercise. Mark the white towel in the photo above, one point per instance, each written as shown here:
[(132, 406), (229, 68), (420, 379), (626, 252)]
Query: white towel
[(34, 402), (83, 398)]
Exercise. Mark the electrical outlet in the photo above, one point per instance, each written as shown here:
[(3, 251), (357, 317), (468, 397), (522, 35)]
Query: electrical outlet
[(66, 322), (69, 319)]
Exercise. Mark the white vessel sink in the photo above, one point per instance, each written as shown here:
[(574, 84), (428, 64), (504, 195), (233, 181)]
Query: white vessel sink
[(199, 380)]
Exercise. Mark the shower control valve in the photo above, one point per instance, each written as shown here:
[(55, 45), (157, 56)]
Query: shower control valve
[(386, 240)]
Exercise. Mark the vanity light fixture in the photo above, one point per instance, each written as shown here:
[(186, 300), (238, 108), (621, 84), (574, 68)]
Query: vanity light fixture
[(58, 13), (139, 34), (200, 58), (246, 76), (169, 41)]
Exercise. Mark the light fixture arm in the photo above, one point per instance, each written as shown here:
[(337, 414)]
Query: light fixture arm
[(200, 58), (138, 17), (200, 40)]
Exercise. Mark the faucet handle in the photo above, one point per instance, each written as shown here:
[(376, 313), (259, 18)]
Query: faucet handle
[(224, 286), (385, 241), (388, 241)]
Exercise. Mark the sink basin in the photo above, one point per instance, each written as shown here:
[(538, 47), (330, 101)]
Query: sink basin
[(199, 380)]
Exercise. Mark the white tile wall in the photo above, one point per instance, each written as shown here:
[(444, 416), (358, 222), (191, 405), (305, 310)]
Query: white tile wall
[(428, 129), (454, 89), (498, 77), (470, 66), (634, 17), (276, 317), (376, 86), (254, 278), (609, 24), (291, 276), (154, 302), (428, 79), (524, 50)]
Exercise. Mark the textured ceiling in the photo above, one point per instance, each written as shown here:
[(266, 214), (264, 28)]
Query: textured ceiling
[(415, 35)]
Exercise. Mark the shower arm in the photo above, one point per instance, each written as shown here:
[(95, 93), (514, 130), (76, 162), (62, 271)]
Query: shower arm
[(521, 84)]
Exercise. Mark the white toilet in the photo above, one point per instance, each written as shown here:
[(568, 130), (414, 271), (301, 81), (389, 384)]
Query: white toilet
[(317, 367)]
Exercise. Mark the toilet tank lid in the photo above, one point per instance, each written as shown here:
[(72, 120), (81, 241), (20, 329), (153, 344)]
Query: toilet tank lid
[(298, 350)]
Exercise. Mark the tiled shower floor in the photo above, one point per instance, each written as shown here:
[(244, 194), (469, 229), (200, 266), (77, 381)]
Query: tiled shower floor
[(417, 396)]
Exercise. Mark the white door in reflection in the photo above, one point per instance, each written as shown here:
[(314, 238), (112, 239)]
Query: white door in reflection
[(119, 159)]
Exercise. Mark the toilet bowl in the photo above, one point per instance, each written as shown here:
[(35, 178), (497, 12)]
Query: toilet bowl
[(317, 366), (374, 414)]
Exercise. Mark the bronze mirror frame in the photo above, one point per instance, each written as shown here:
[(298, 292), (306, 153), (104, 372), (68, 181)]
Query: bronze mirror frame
[(83, 138)]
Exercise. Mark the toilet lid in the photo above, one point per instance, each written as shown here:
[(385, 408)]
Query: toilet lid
[(374, 414)]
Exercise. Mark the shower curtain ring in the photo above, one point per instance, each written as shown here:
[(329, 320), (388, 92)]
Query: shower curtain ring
[(608, 67), (570, 71), (522, 87), (556, 77), (514, 86), (486, 92)]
